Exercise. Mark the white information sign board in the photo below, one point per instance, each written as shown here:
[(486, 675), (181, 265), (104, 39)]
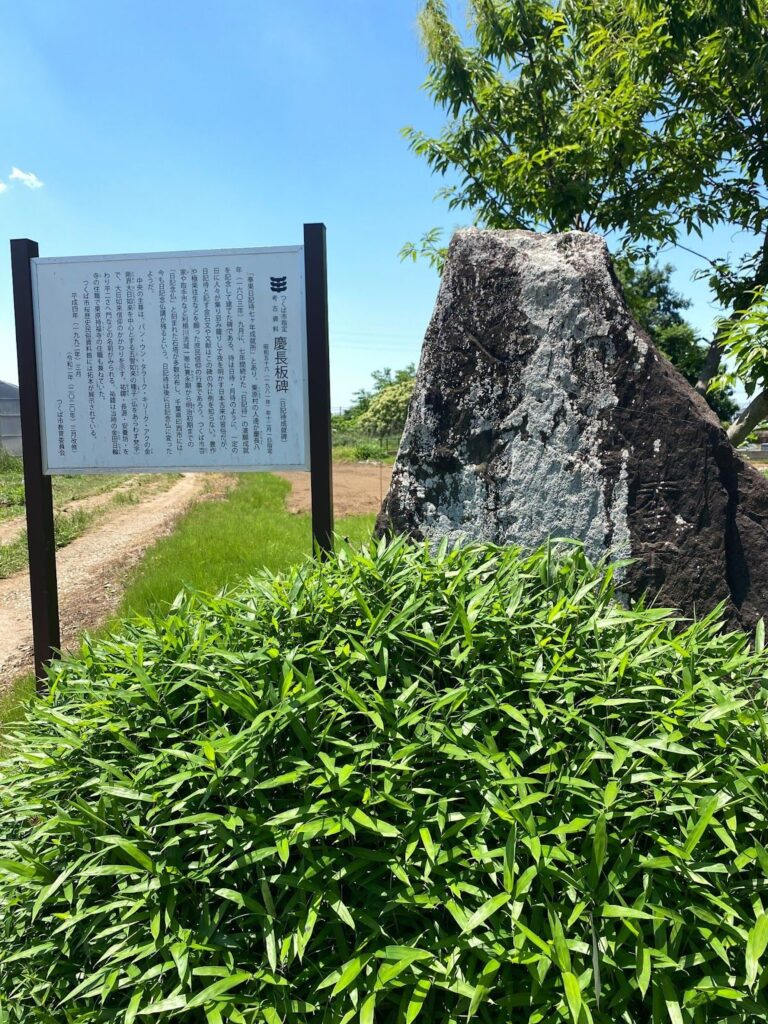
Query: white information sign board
[(171, 361)]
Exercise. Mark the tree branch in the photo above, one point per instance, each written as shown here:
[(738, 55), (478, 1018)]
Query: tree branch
[(715, 351), (754, 413), (710, 366), (489, 127), (693, 252), (490, 197)]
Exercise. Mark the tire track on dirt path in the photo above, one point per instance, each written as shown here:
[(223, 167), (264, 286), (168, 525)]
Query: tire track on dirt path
[(91, 573)]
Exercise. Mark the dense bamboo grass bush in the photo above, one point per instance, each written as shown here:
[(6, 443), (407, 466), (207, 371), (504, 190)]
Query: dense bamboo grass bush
[(395, 786)]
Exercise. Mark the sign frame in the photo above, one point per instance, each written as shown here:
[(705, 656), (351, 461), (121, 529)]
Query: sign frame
[(123, 259), (37, 477)]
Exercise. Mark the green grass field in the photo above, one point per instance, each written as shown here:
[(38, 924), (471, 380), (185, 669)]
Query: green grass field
[(12, 699), (218, 542), (65, 488)]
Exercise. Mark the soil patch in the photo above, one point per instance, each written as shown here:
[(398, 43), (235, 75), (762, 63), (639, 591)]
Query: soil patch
[(358, 488)]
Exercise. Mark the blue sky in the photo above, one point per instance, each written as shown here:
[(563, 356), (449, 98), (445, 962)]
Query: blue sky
[(166, 125)]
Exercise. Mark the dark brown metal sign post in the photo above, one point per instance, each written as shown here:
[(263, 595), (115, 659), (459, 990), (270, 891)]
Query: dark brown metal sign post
[(318, 372), (37, 487)]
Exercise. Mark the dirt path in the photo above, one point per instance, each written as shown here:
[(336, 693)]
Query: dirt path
[(358, 488), (13, 528), (91, 573)]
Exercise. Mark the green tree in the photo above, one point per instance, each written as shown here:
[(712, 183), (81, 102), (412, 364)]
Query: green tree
[(384, 381), (658, 308), (641, 119), (387, 410)]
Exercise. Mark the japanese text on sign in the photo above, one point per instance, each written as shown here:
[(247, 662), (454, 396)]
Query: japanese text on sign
[(173, 361)]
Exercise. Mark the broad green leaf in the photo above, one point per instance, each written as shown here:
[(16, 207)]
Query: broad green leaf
[(367, 1008), (559, 944), (599, 843), (401, 958), (509, 859), (404, 953), (270, 938), (218, 988), (525, 881), (133, 1007), (643, 966), (348, 974), (611, 792), (486, 910), (176, 1002), (628, 913), (131, 849), (426, 839), (416, 1002), (340, 908), (479, 996), (374, 824), (707, 812), (18, 868), (572, 994), (671, 1001), (757, 941)]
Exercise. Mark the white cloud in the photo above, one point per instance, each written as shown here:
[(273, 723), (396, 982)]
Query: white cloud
[(25, 177), (3, 186)]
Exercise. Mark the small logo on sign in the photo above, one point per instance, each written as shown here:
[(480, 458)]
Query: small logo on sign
[(278, 284)]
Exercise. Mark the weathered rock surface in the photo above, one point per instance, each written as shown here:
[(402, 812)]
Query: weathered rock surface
[(542, 410)]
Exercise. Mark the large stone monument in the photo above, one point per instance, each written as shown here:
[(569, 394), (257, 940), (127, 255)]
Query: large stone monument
[(542, 410)]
